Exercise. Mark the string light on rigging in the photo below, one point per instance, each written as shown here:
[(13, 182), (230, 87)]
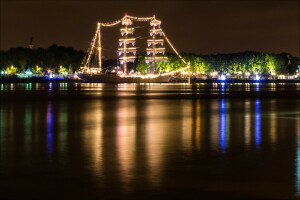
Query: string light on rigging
[(127, 51)]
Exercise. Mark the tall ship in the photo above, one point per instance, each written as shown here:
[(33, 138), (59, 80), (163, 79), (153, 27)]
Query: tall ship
[(127, 53)]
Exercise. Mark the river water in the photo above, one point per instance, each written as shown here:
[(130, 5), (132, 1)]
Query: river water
[(151, 141)]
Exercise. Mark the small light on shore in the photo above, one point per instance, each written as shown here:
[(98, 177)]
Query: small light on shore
[(257, 77)]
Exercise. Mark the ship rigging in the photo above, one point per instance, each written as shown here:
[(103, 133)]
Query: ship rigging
[(127, 50)]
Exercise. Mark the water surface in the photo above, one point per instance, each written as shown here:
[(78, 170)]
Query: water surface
[(151, 141)]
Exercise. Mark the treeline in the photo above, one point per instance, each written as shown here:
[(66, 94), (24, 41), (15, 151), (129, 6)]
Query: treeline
[(249, 61), (56, 56), (51, 58)]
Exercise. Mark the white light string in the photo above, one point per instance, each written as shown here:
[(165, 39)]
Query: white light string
[(111, 23), (141, 18), (108, 24), (173, 47), (93, 45)]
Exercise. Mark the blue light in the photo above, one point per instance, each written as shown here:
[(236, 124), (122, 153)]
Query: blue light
[(257, 77), (223, 125), (257, 123), (50, 126), (257, 87), (222, 77), (222, 88), (50, 87), (298, 166)]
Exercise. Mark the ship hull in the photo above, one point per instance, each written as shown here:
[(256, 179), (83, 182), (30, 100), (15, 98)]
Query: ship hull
[(111, 78)]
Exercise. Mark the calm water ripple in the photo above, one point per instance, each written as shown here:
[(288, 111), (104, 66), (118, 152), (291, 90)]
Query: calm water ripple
[(151, 141)]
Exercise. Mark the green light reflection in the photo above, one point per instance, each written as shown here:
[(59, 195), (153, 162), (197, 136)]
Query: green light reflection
[(63, 119), (2, 123), (28, 127)]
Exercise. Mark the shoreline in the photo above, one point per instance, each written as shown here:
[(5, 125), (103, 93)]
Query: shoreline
[(14, 79), (4, 81), (194, 80)]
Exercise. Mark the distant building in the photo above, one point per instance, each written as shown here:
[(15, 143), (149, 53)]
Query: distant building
[(31, 43)]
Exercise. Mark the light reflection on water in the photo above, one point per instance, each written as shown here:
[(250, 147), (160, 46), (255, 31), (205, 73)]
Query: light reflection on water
[(132, 146), (298, 166), (247, 122), (297, 173), (257, 123), (273, 123), (198, 126), (28, 127), (126, 140), (215, 124), (155, 135), (50, 129), (222, 125), (63, 122), (93, 137)]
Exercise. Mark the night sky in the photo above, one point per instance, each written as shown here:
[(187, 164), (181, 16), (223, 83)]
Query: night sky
[(202, 27)]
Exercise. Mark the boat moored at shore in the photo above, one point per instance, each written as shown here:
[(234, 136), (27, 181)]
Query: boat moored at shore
[(114, 78), (127, 52)]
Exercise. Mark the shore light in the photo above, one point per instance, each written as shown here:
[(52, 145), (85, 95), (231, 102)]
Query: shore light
[(257, 77), (222, 77)]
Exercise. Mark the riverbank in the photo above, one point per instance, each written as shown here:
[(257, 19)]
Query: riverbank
[(196, 80), (16, 79)]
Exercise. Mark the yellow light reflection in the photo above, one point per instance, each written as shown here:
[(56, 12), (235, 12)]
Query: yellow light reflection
[(273, 123), (63, 121), (198, 126), (155, 132), (187, 125), (126, 138), (215, 124), (247, 123), (93, 119)]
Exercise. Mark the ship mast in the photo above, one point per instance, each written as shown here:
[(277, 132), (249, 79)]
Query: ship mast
[(95, 46), (155, 41), (99, 47), (128, 51)]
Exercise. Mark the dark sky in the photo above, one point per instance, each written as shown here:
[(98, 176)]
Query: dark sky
[(198, 26)]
